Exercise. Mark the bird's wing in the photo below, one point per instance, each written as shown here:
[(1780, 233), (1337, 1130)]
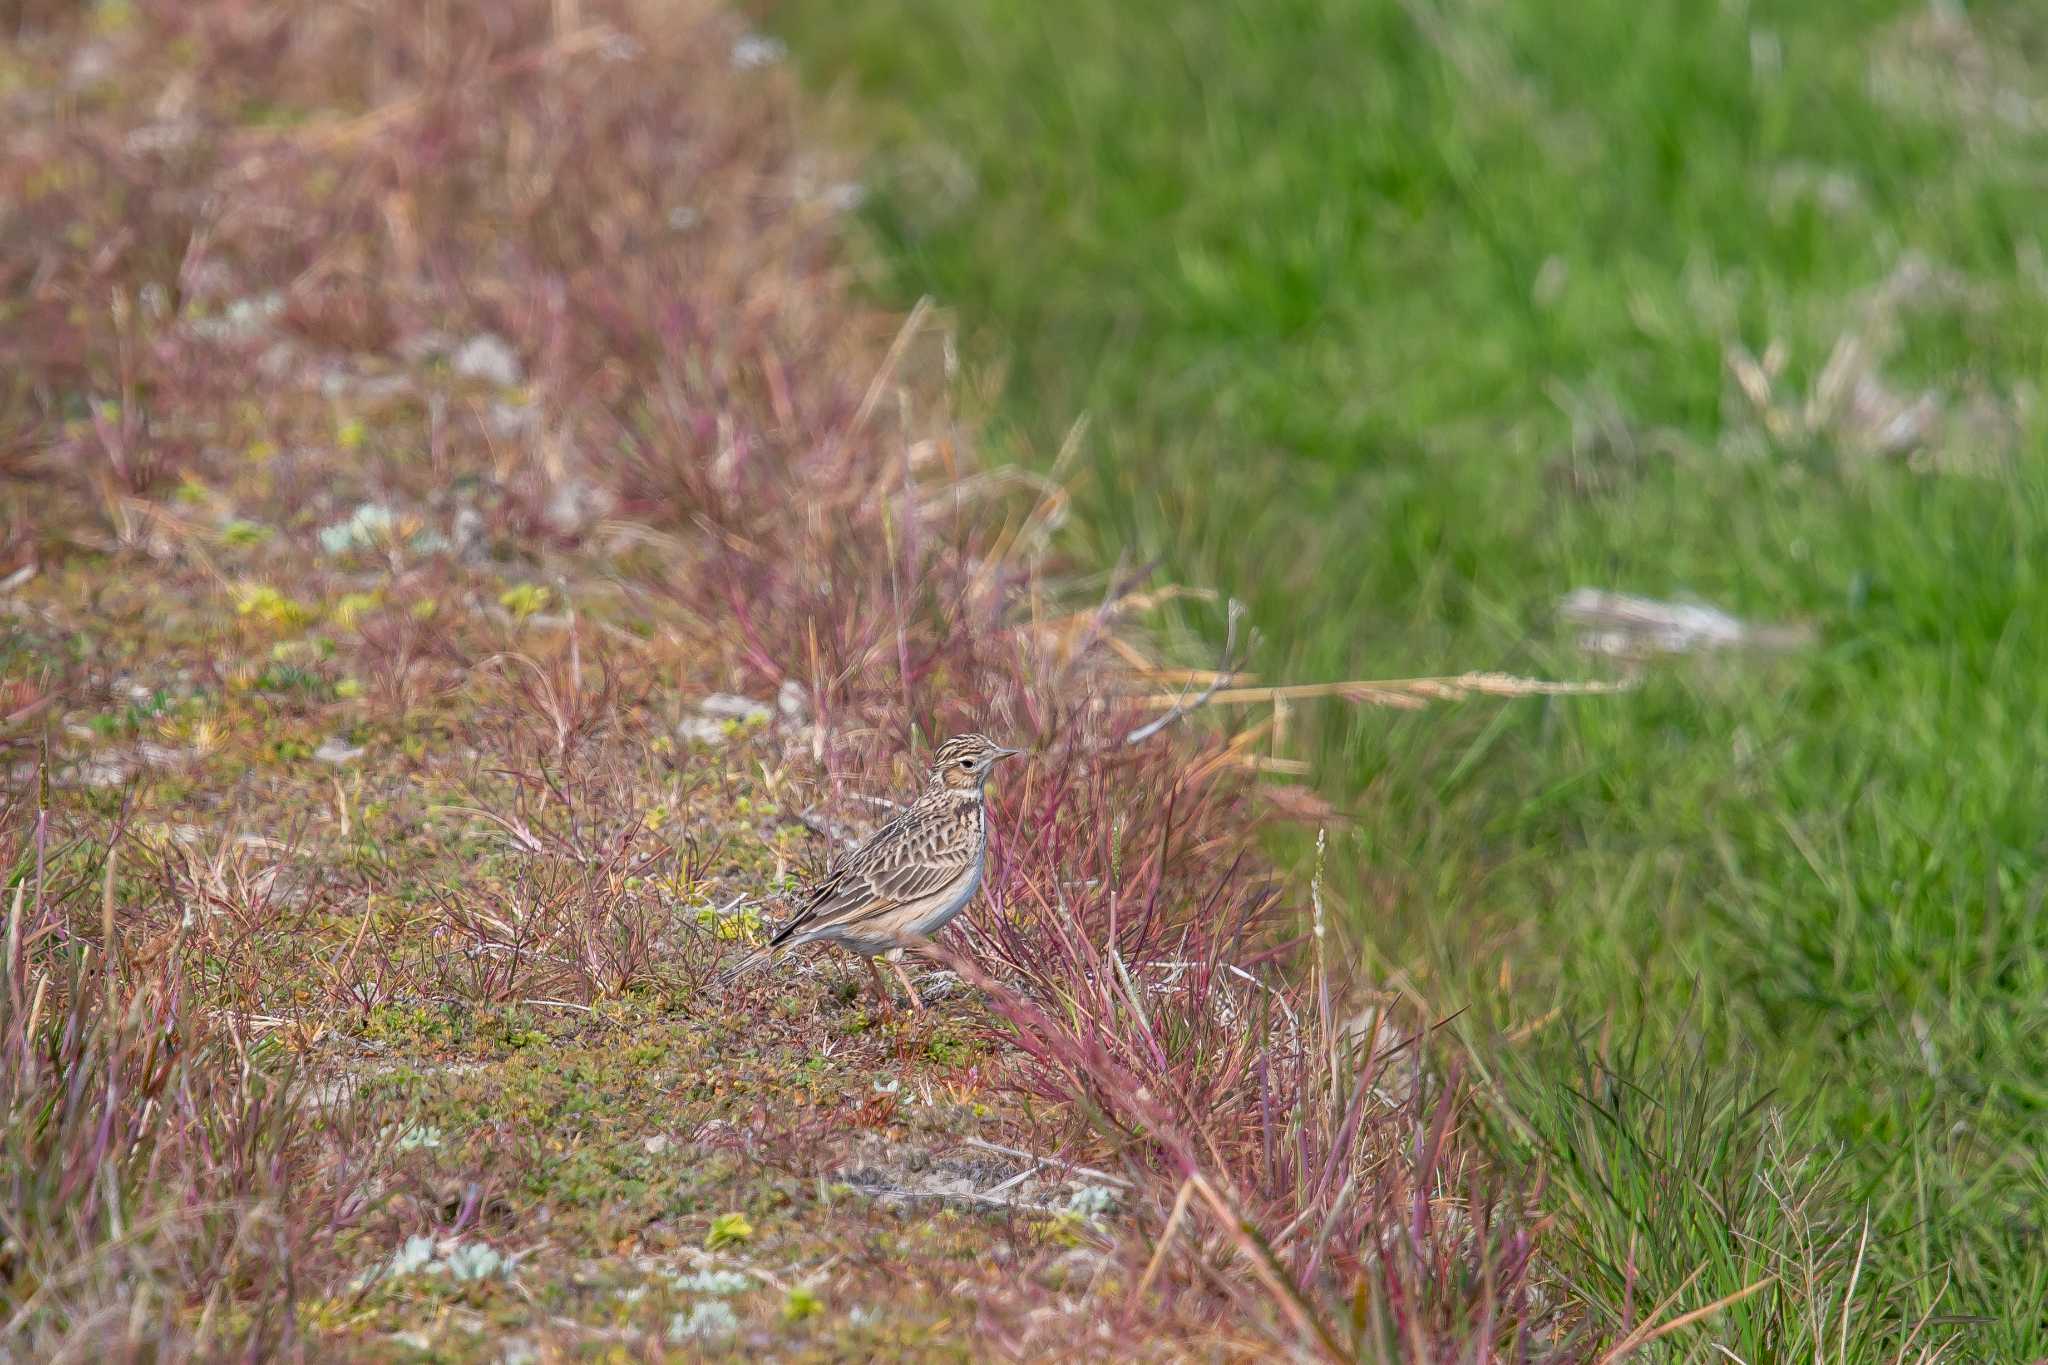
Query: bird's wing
[(842, 883), (879, 877)]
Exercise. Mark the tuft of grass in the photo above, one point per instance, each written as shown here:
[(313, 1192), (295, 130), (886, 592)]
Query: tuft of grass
[(156, 1156), (1674, 1176), (1249, 1111)]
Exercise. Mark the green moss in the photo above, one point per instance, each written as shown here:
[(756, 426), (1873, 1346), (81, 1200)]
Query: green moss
[(524, 599), (266, 604)]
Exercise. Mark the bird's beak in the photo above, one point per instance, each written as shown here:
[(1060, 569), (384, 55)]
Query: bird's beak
[(1008, 753)]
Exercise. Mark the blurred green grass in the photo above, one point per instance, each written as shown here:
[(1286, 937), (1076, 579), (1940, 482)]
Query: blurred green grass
[(1401, 320)]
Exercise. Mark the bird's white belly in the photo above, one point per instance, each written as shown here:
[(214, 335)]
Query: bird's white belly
[(943, 914)]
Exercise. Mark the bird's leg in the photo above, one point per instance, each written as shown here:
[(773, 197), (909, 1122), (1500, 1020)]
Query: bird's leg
[(896, 966), (881, 987), (916, 1001)]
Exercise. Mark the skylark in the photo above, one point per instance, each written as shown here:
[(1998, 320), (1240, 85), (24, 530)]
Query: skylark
[(911, 876)]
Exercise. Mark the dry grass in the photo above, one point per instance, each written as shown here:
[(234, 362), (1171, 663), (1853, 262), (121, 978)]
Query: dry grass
[(165, 1181)]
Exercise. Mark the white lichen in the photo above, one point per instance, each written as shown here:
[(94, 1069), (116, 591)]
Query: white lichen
[(704, 1322)]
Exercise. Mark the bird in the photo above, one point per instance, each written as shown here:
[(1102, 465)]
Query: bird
[(908, 879)]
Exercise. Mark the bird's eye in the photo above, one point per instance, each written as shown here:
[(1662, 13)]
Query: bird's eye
[(966, 762)]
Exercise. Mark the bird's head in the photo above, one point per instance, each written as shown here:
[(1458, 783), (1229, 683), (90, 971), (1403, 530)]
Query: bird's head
[(962, 763)]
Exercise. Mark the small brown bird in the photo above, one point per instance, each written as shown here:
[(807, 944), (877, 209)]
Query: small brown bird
[(909, 878)]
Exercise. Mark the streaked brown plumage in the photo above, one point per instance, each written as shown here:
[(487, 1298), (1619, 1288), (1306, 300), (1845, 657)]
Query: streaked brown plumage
[(909, 878)]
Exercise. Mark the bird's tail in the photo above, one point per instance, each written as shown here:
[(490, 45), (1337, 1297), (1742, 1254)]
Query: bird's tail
[(753, 961)]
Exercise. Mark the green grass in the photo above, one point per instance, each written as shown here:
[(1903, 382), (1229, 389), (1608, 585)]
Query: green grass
[(1400, 320)]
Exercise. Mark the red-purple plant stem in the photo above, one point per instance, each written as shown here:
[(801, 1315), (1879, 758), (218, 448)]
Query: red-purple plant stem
[(1427, 1158)]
